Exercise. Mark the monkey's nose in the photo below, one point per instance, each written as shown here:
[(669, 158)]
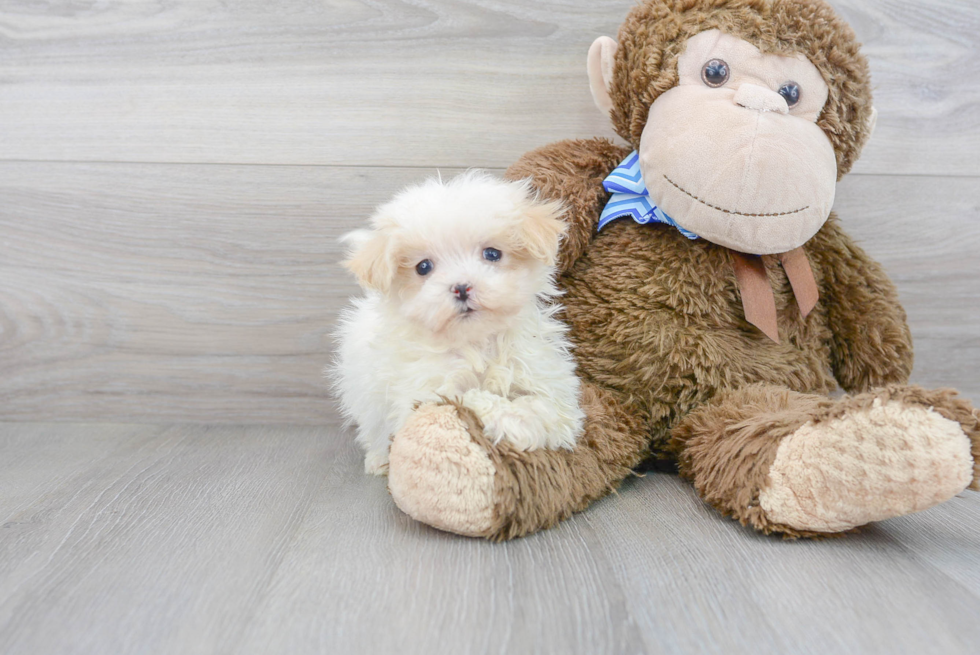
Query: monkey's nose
[(759, 98), (462, 291)]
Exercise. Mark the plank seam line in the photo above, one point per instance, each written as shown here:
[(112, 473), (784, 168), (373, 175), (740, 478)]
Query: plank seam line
[(113, 162)]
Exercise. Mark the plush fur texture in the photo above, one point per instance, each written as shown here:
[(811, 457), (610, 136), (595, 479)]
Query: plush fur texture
[(728, 446), (471, 328), (439, 469), (670, 368), (572, 171)]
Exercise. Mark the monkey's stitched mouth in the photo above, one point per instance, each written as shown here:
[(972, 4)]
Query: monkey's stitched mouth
[(730, 211)]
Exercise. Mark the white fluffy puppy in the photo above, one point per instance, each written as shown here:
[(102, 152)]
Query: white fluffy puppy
[(459, 278)]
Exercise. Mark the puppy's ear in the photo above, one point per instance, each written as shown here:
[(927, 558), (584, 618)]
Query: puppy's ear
[(372, 259), (541, 230)]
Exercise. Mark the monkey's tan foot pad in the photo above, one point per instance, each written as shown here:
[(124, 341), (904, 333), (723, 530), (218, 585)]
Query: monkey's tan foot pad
[(875, 456), (439, 476)]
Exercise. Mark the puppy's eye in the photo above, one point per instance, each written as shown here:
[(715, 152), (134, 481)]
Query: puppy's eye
[(424, 267), (791, 93), (491, 254), (715, 73)]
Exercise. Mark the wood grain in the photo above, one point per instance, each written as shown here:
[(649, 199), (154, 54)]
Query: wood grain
[(926, 232), (224, 539), (733, 590), (137, 292), (145, 291), (164, 545), (450, 83)]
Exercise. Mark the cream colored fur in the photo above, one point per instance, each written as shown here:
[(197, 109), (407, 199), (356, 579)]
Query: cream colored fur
[(887, 461), (439, 476), (411, 339)]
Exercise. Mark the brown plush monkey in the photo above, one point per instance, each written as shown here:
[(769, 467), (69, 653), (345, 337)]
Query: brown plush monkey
[(711, 333)]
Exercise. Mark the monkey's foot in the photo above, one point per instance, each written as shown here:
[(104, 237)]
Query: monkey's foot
[(438, 475), (443, 470), (871, 457)]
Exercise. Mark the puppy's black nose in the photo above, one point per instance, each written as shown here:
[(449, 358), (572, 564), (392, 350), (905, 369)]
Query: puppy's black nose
[(462, 291)]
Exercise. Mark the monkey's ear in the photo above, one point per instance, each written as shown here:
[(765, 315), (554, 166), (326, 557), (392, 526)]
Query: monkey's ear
[(601, 58), (872, 122), (371, 259)]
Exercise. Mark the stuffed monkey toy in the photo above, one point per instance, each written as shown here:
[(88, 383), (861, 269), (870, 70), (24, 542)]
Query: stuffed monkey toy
[(713, 297)]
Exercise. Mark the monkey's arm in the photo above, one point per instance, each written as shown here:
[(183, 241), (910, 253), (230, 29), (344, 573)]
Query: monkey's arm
[(572, 171), (871, 344)]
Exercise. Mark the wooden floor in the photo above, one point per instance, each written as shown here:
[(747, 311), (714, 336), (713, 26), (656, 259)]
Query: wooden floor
[(207, 539), (173, 179)]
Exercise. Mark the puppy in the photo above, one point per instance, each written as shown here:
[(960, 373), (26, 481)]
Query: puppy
[(459, 282)]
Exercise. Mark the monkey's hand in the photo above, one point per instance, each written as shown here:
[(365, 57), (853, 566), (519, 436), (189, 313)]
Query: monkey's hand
[(871, 344), (572, 171)]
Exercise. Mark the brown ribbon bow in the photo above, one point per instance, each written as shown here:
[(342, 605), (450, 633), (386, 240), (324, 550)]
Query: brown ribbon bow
[(757, 299)]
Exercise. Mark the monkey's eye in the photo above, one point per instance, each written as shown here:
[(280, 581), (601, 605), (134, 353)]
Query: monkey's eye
[(715, 73), (791, 92), (491, 254), (424, 267)]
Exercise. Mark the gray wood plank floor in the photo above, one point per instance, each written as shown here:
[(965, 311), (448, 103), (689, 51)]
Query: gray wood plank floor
[(264, 539)]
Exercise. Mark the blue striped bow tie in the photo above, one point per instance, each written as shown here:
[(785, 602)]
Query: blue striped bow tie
[(631, 198)]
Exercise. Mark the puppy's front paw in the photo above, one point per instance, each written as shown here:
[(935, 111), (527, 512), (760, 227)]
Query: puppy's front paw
[(506, 423), (524, 423), (376, 462), (487, 407), (501, 418)]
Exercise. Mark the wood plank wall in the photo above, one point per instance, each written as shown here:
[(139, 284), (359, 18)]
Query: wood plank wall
[(173, 177)]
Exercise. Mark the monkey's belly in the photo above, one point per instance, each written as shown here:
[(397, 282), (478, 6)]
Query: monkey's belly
[(659, 318)]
